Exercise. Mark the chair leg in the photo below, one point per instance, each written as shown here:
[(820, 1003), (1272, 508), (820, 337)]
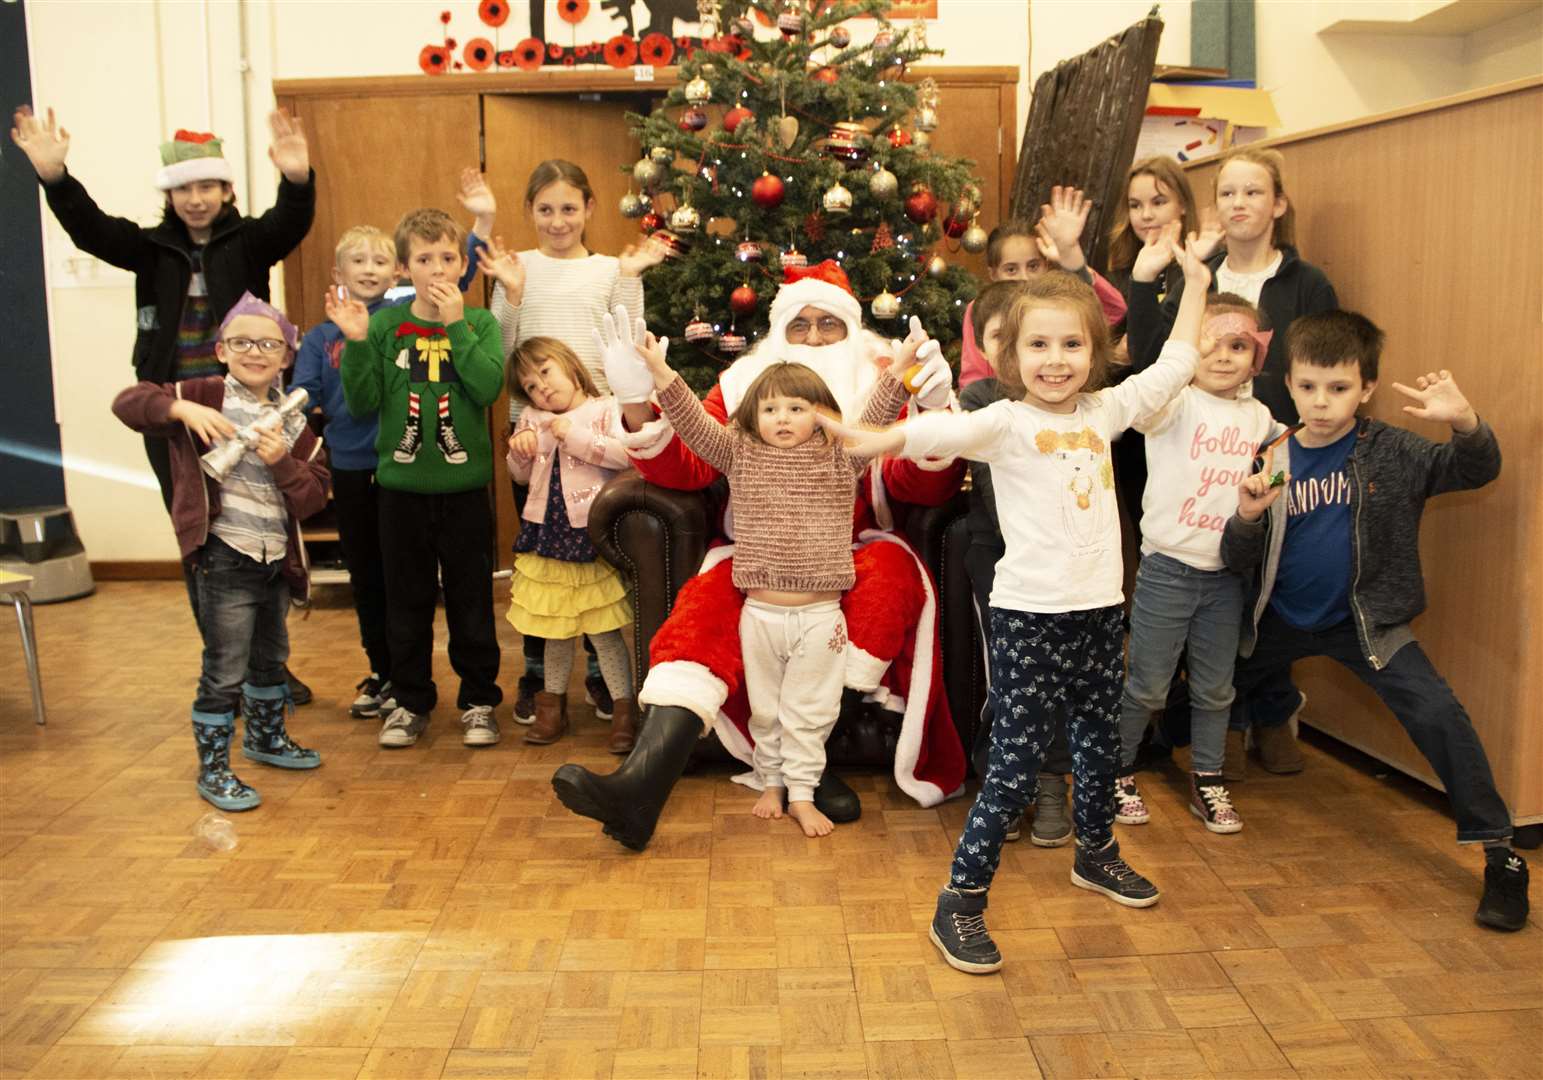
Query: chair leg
[(29, 649)]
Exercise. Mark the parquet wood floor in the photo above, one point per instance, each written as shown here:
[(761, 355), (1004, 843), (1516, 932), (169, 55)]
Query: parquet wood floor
[(434, 912)]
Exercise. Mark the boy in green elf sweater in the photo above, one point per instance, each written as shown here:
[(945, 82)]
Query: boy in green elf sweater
[(431, 369)]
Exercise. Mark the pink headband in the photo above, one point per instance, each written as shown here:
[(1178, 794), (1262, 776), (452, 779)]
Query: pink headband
[(1236, 324)]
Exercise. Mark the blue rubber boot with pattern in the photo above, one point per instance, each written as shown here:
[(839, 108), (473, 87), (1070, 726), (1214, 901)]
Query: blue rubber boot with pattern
[(266, 740), (216, 783)]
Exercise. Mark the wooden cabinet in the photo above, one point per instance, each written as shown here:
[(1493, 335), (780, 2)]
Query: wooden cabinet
[(383, 146)]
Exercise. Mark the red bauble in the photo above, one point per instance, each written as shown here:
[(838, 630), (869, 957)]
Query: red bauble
[(953, 227), (693, 119), (743, 300), (768, 191), (736, 116), (651, 222), (899, 137), (826, 75), (921, 205)]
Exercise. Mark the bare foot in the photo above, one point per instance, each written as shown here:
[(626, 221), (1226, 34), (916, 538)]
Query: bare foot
[(769, 805), (814, 823)]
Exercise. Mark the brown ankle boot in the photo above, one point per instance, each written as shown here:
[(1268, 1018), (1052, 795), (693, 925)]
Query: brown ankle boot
[(1278, 751), (624, 726), (551, 719)]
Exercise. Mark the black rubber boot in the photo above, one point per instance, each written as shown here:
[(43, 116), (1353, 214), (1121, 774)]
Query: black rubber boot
[(628, 801), (836, 800)]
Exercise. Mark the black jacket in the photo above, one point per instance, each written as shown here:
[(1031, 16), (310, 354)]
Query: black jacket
[(1298, 288), (237, 259), (1393, 472)]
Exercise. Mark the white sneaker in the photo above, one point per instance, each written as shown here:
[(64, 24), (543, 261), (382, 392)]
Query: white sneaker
[(402, 728), (478, 728)]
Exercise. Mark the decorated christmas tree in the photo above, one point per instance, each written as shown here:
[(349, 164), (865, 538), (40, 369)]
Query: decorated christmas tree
[(783, 150)]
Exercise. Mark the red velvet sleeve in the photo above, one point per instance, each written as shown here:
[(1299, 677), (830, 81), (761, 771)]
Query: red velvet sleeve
[(676, 466)]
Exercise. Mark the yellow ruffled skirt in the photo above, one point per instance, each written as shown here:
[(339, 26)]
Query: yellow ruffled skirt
[(554, 599)]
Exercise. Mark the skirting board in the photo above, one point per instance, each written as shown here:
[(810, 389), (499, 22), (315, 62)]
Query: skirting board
[(137, 570)]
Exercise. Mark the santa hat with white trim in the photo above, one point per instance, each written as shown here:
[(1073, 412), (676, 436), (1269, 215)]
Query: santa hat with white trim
[(824, 286), (190, 156)]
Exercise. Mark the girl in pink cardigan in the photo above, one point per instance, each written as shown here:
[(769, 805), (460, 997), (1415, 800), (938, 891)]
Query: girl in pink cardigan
[(567, 444)]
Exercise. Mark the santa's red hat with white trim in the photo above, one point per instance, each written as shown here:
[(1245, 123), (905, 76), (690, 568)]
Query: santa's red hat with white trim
[(823, 285)]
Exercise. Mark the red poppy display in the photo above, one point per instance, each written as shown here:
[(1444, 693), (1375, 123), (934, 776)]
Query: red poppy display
[(434, 59), (573, 11), (657, 49), (506, 58), (554, 52), (444, 17), (478, 54), (621, 51), (493, 12), (529, 54)]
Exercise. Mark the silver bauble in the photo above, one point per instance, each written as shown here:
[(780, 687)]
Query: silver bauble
[(837, 200), (973, 240), (685, 219), (886, 305), (883, 185), (699, 91), (631, 206), (647, 172)]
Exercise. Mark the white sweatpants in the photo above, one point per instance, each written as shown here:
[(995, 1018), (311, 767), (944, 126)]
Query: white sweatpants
[(795, 666)]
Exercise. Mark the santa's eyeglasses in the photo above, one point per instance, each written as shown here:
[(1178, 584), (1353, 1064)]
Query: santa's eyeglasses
[(829, 327)]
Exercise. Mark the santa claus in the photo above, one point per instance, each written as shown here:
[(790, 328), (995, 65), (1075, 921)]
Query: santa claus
[(694, 682)]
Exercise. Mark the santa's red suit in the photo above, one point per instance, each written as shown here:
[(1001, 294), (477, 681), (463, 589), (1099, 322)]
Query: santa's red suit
[(892, 610)]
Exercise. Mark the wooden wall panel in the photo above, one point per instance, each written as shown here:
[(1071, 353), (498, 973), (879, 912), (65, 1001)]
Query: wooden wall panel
[(1428, 221), (977, 121)]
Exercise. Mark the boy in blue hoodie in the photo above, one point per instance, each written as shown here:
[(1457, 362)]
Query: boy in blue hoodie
[(1334, 566)]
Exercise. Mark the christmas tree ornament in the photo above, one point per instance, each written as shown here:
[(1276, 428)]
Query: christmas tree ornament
[(685, 219), (837, 199), (698, 331), (731, 344), (674, 246), (787, 131), (661, 155), (974, 239), (748, 251), (917, 33), (926, 118), (651, 222), (743, 300), (827, 75), (928, 97), (883, 239), (793, 258), (693, 119), (883, 185), (936, 267), (899, 137), (883, 39), (736, 116), (699, 91), (848, 142), (922, 141), (791, 21), (953, 226), (631, 206), (744, 27), (921, 205), (768, 191), (647, 172), (886, 305), (840, 37)]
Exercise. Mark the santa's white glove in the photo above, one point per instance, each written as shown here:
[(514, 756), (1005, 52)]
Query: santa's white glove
[(935, 381), (625, 370)]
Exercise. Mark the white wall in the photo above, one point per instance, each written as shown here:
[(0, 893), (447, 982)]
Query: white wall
[(148, 67)]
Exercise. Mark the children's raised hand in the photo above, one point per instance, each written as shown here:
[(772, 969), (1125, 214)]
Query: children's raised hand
[(1155, 254), (208, 424), (1256, 494), (1211, 233), (446, 296), (1197, 275), (1047, 248), (288, 149), (1064, 217), (1440, 401), (270, 445), (350, 315), (641, 256), (45, 143), (475, 196), (522, 444), (504, 267), (626, 369)]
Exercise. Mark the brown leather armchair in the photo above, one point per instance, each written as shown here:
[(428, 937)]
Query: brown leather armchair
[(657, 538)]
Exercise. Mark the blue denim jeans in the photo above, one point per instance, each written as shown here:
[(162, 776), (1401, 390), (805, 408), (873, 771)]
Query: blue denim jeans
[(1041, 663), (1174, 604), (1418, 696), (241, 608)]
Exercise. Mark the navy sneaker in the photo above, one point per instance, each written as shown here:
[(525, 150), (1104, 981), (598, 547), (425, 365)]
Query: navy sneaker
[(525, 699), (1104, 871), (959, 931)]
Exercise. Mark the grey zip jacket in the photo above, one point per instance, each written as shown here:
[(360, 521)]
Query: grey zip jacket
[(1392, 473)]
